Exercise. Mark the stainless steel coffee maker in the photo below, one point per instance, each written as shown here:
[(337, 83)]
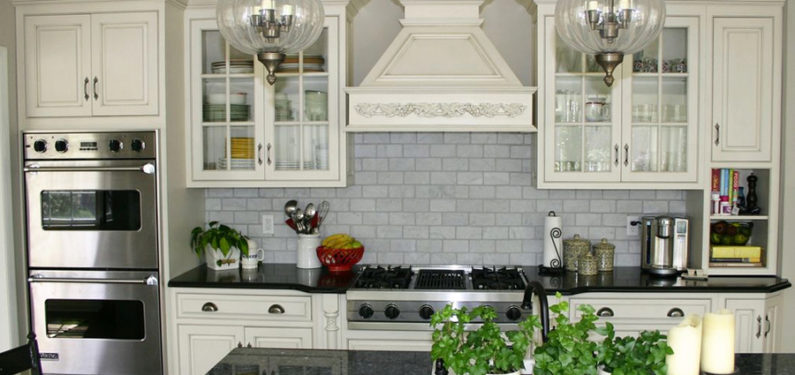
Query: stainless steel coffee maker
[(664, 244)]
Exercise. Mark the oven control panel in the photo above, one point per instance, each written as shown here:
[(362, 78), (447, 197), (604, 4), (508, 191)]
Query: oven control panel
[(96, 145), (421, 311)]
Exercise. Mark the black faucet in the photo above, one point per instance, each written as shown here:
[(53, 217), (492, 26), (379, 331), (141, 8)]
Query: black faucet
[(534, 287)]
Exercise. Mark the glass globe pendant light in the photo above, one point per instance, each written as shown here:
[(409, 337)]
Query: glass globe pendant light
[(609, 29), (270, 29)]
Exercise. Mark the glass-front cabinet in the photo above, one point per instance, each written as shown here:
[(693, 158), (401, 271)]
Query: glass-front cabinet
[(245, 132), (638, 130)]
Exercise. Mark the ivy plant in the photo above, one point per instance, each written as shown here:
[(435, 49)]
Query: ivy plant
[(219, 237), (485, 350), (568, 350), (642, 355)]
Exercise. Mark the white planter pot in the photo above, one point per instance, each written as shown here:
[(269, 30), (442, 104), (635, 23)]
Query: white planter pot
[(214, 257), (601, 371), (509, 373)]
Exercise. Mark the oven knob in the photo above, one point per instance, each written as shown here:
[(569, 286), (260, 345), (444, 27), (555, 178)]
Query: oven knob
[(40, 145), (426, 311), (137, 145), (61, 145), (513, 313), (366, 311), (115, 145), (391, 311)]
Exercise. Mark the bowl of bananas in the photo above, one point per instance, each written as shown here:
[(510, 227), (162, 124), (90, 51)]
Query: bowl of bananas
[(339, 252)]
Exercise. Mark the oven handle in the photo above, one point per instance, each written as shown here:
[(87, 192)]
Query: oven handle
[(147, 168), (151, 280)]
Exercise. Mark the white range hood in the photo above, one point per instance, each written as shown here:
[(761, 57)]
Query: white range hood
[(441, 73)]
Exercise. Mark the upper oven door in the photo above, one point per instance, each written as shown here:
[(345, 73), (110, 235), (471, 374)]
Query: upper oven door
[(92, 214)]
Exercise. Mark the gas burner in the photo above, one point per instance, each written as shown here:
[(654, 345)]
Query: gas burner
[(384, 278), (497, 278)]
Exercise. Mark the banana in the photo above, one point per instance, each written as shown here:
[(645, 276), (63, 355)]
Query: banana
[(338, 241)]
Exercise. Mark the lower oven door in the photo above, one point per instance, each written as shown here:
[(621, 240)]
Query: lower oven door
[(97, 322)]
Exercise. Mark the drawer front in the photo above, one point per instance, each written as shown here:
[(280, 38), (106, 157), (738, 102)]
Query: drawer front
[(249, 307), (642, 310)]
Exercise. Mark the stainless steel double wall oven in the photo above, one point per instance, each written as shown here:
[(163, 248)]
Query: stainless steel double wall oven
[(92, 238)]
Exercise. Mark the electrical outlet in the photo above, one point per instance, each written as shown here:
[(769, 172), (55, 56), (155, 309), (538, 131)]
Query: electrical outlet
[(267, 225), (633, 230)]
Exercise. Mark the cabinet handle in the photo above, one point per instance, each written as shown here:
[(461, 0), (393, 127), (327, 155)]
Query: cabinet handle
[(617, 155), (259, 153), (767, 321), (239, 344), (209, 307), (676, 313), (626, 154), (269, 154), (85, 89), (96, 80), (276, 309), (605, 312), (758, 326), (717, 134), (248, 345)]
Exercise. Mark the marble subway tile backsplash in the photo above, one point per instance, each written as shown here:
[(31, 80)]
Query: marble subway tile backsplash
[(445, 198)]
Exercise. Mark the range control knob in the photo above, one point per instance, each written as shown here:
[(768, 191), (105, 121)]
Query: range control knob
[(137, 145), (40, 145), (61, 145), (513, 313), (392, 311), (426, 311), (115, 145), (365, 311)]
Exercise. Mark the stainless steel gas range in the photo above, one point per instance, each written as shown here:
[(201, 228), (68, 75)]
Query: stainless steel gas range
[(405, 297)]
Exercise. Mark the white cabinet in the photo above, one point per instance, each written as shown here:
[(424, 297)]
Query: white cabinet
[(748, 325), (245, 132), (204, 345), (91, 65), (276, 337)]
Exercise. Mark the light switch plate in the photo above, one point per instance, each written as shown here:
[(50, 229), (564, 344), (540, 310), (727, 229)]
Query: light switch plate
[(633, 230), (267, 225)]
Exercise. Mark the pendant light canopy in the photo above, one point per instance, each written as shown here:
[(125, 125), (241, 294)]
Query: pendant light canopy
[(609, 29), (270, 29)]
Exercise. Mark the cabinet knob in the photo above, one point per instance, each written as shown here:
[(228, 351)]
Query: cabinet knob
[(209, 307), (276, 309), (675, 313), (239, 344), (717, 134), (248, 345), (605, 312)]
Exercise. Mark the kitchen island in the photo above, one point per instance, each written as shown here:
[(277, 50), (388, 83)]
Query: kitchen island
[(360, 362)]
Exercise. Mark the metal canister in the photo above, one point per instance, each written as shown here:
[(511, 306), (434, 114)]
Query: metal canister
[(573, 249), (605, 255)]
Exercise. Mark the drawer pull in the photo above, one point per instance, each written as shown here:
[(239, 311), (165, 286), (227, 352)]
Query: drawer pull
[(605, 312), (248, 345), (676, 313), (758, 326), (209, 307), (239, 344), (276, 309)]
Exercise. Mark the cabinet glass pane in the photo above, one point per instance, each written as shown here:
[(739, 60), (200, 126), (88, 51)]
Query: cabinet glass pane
[(315, 99), (286, 99), (568, 99), (674, 50), (287, 147), (568, 148), (591, 66), (241, 149), (213, 51), (644, 149), (241, 93), (214, 143), (597, 148), (645, 99), (316, 147), (214, 101), (597, 106), (568, 60), (673, 148), (314, 56), (674, 99), (647, 60)]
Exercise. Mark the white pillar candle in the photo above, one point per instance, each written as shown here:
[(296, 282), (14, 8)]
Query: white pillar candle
[(685, 340), (717, 343)]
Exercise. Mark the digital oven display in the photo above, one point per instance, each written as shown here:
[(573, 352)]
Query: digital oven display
[(88, 146)]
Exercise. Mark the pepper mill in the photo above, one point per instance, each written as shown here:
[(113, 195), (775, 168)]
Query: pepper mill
[(751, 199)]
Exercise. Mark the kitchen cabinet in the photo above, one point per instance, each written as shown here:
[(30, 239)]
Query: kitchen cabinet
[(245, 132), (203, 345), (86, 65), (640, 133)]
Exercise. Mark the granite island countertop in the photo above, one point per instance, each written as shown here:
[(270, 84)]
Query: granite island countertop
[(357, 362), (622, 279)]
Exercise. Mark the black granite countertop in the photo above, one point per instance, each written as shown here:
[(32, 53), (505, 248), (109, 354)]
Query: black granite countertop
[(256, 361), (622, 279)]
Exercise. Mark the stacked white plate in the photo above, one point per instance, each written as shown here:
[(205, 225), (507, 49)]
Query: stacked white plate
[(236, 66), (287, 165), (236, 163)]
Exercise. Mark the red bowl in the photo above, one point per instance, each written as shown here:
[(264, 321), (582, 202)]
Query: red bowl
[(339, 260)]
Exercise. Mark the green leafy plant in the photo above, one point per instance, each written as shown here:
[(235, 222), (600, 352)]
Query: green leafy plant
[(568, 350), (481, 351), (642, 355), (219, 237)]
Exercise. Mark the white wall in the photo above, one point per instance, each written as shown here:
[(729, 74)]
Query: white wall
[(8, 304)]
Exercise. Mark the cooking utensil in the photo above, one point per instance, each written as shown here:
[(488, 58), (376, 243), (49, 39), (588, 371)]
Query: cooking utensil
[(290, 207), (290, 223), (309, 213), (322, 211), (298, 218)]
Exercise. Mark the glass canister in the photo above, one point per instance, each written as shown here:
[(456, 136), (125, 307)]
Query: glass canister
[(587, 264), (573, 249), (605, 254)]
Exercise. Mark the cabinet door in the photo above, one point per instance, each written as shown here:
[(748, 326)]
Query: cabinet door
[(57, 65), (582, 121), (742, 88), (749, 322), (660, 114), (272, 337), (771, 324), (124, 64), (202, 346), (302, 113)]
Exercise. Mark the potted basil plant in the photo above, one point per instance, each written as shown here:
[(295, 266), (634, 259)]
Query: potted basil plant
[(221, 245), (485, 350), (568, 349), (642, 355)]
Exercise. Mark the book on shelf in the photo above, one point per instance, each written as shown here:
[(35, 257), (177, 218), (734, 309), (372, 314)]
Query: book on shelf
[(736, 251), (734, 264), (726, 183)]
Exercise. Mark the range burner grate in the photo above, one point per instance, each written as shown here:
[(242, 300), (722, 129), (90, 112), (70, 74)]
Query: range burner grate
[(440, 279), (497, 278), (384, 278)]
